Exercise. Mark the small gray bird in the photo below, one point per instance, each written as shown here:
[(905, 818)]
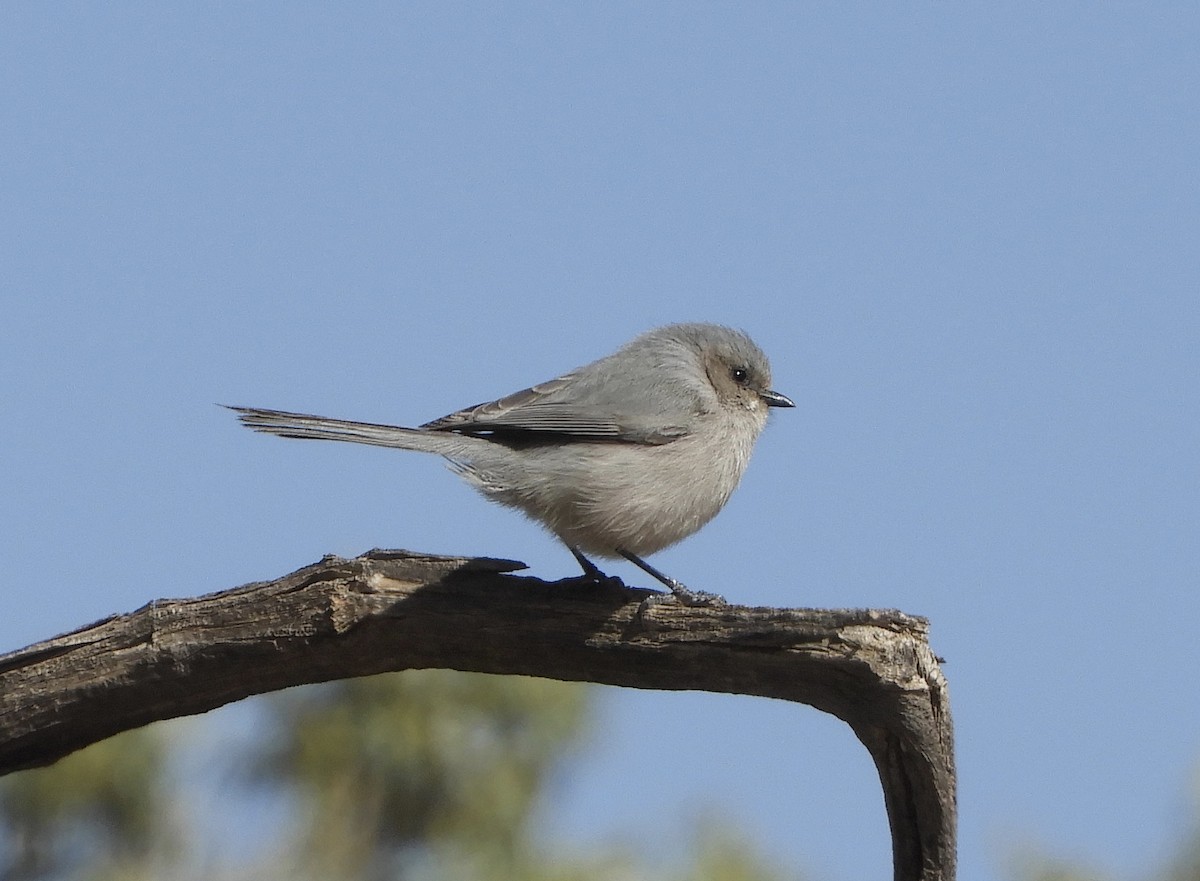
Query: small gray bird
[(620, 458)]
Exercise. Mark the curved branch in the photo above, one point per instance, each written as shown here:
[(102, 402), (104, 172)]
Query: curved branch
[(395, 610)]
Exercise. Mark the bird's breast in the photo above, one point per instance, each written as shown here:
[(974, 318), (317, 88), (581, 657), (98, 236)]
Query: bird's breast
[(642, 498)]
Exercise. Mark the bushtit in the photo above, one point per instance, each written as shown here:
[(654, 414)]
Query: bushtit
[(620, 458)]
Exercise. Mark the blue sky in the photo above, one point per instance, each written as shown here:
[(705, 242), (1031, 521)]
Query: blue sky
[(966, 236)]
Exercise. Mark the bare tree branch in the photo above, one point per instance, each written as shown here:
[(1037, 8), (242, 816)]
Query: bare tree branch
[(394, 610)]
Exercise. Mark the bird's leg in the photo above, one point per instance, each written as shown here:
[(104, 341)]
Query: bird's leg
[(591, 570), (678, 590)]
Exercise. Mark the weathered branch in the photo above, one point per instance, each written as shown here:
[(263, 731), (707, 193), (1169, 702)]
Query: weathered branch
[(393, 610)]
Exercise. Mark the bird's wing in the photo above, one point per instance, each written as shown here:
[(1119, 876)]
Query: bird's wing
[(563, 407)]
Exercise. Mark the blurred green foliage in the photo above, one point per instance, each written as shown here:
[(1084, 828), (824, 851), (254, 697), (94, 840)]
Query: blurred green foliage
[(104, 807), (392, 769), (414, 776)]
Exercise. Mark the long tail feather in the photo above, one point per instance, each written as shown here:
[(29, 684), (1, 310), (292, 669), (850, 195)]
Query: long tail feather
[(307, 427)]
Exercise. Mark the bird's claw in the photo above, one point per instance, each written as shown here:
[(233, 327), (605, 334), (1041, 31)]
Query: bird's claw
[(689, 597), (685, 596)]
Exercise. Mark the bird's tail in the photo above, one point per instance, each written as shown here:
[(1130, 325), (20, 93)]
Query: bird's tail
[(306, 427)]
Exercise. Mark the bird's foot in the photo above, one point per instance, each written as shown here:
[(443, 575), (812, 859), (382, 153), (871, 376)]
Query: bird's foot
[(680, 593), (685, 596)]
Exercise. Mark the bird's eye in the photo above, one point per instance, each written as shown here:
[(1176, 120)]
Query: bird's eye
[(740, 375)]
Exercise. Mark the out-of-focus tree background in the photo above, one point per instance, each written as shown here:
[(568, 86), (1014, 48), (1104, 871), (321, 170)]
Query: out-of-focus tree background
[(413, 776), (421, 775)]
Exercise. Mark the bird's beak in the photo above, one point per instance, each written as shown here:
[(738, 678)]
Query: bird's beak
[(774, 399)]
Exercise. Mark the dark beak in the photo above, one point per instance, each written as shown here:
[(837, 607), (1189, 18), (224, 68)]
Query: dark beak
[(774, 399)]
